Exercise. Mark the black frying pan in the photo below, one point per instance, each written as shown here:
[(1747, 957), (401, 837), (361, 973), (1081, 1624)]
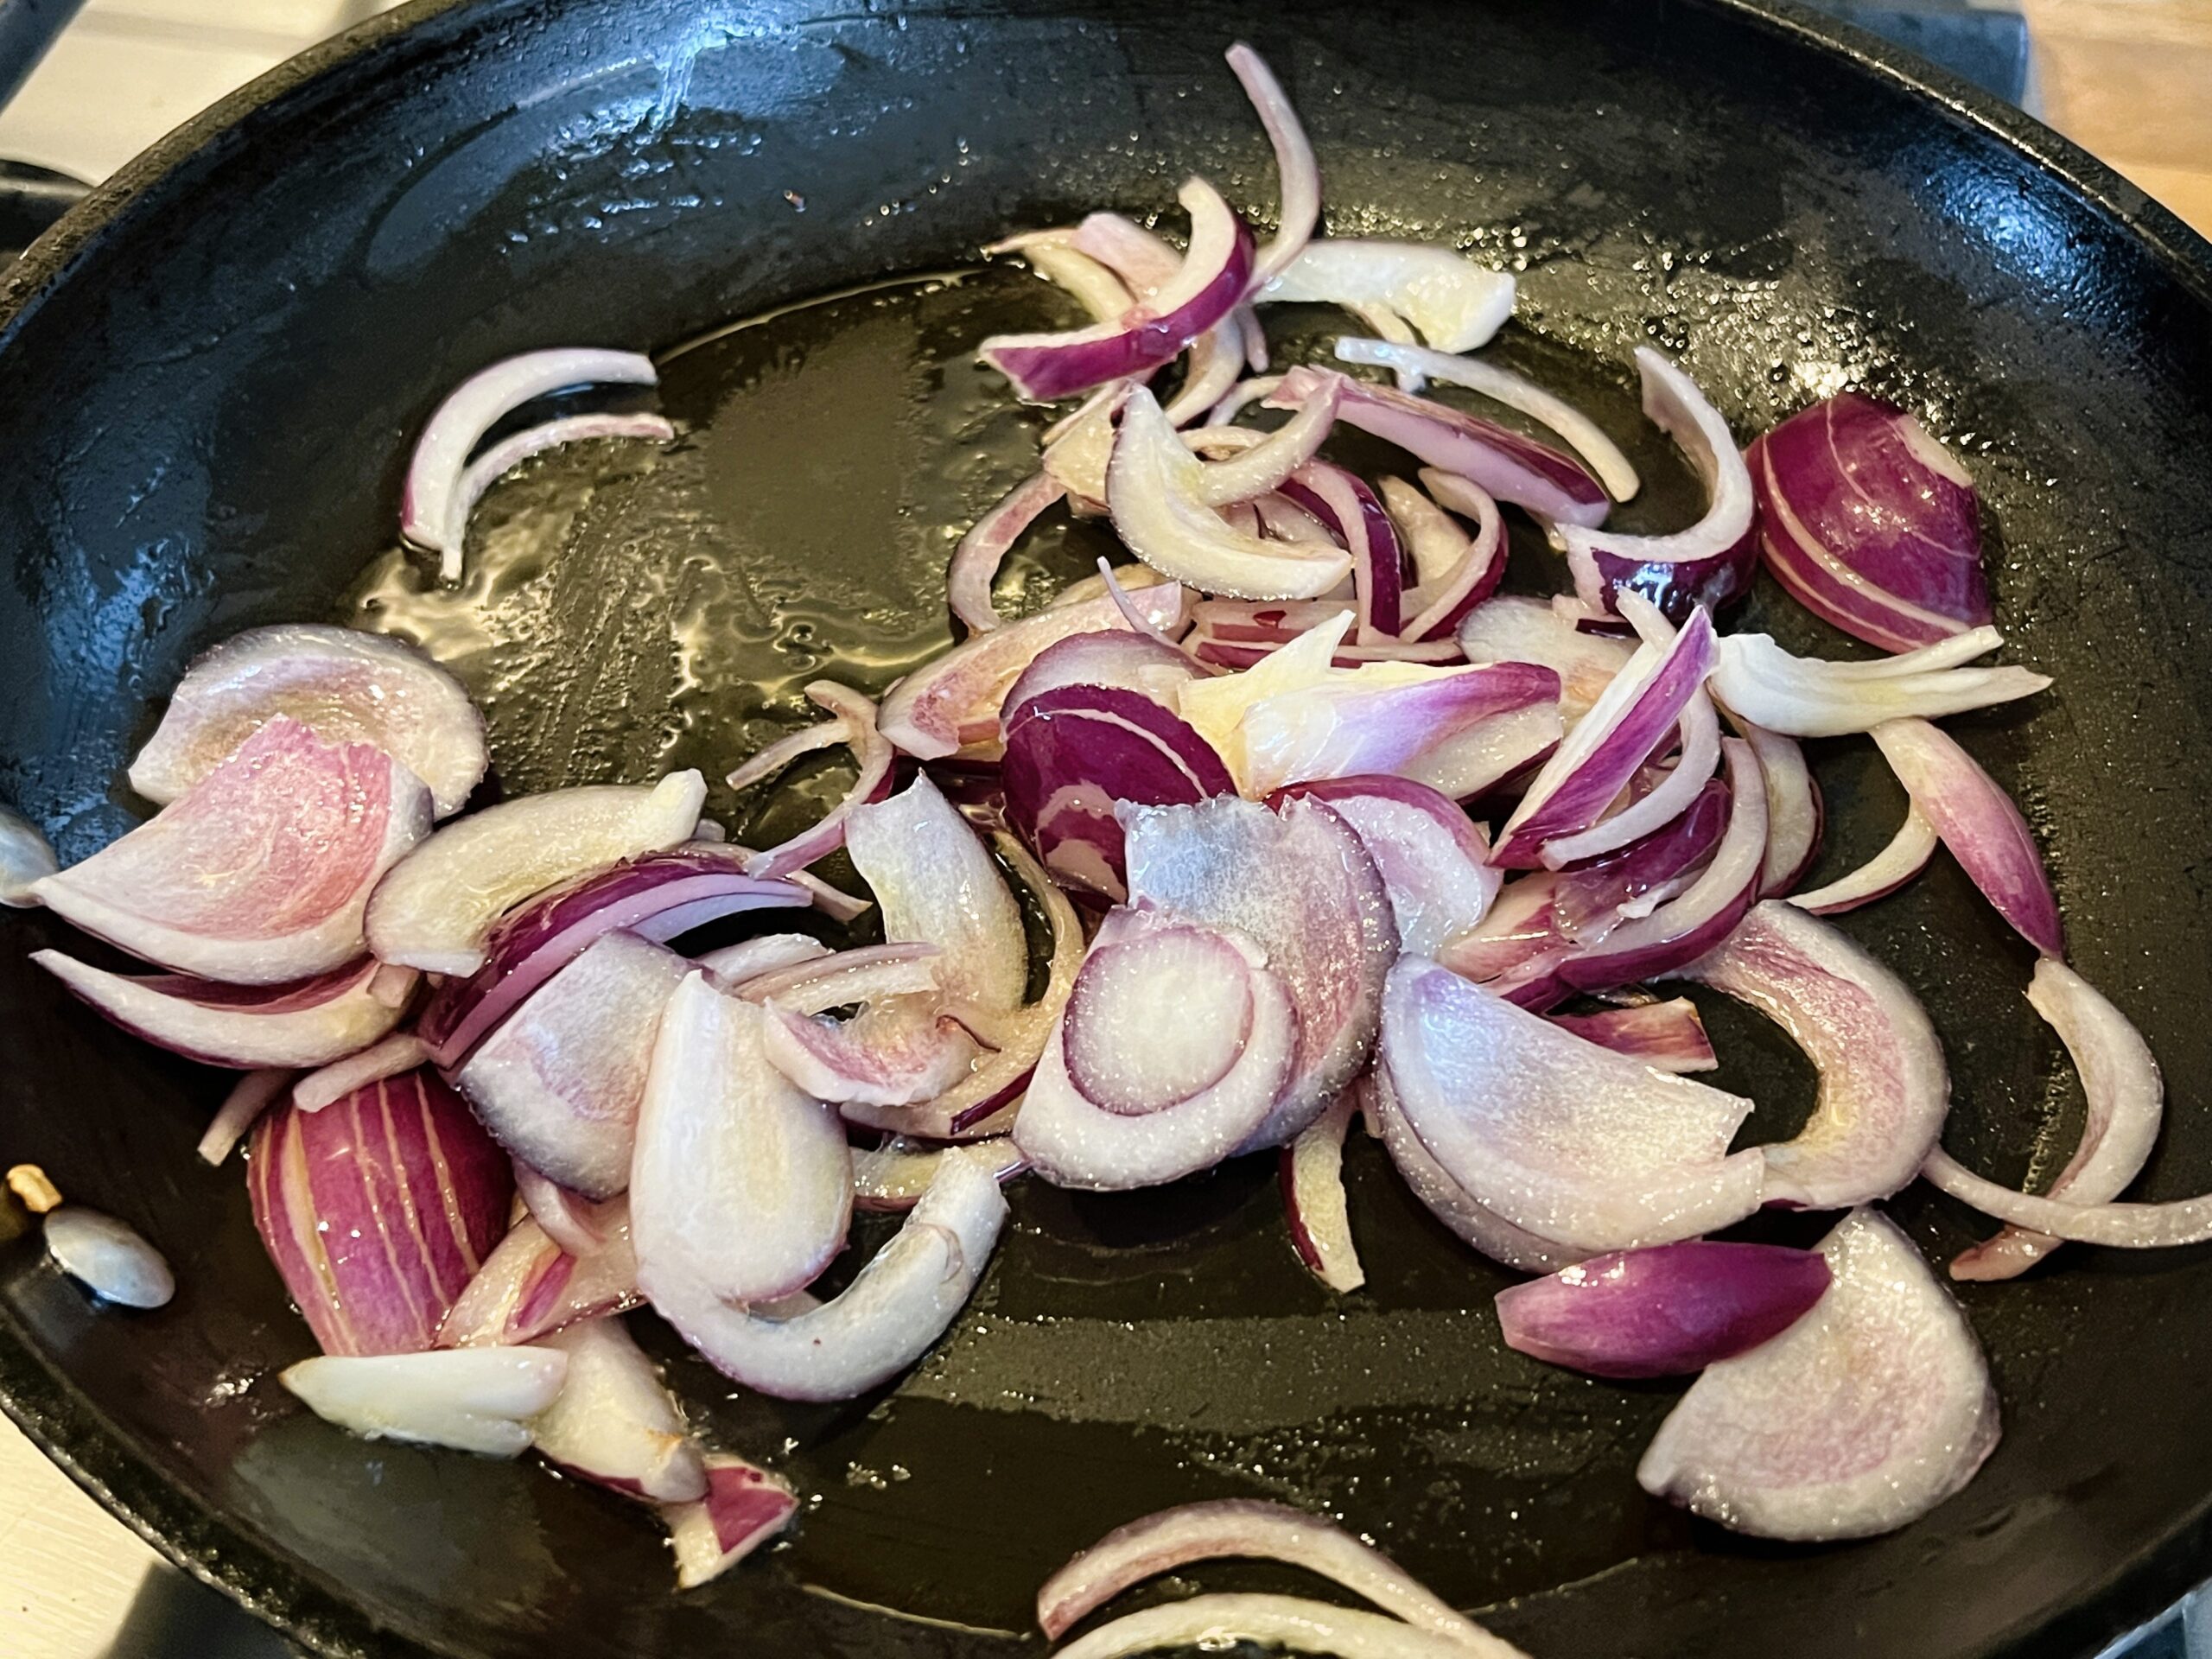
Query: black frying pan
[(211, 372)]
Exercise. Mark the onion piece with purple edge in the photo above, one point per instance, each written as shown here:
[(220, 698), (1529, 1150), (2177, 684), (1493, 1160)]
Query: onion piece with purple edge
[(1810, 697), (951, 704), (1794, 813), (1980, 825), (894, 1176), (1159, 1014), (427, 511), (304, 1024), (401, 1051), (1210, 284), (1136, 257), (325, 822), (885, 1320), (1864, 1415), (744, 1508), (1075, 753), (1456, 303), (873, 754), (558, 1082), (868, 973), (657, 897), (1883, 1088), (437, 908), (1591, 767), (1432, 538), (476, 1399), (614, 1423), (1299, 174), (1054, 256), (343, 684), (1253, 469), (1666, 1311), (1510, 628), (1439, 607), (1500, 385), (887, 1055), (1341, 501), (528, 1285), (510, 453), (579, 1225), (1431, 857), (1298, 882), (1154, 485), (1559, 1136), (1216, 1624), (936, 884), (1665, 1036), (1711, 563), (1905, 856), (1512, 468), (378, 1210), (740, 1186), (1122, 660), (2127, 1100), (976, 562), (1452, 1204), (766, 953), (252, 1094), (1246, 1530), (1313, 1199)]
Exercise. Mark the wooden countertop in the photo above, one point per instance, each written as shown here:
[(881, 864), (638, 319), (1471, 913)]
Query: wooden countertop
[(2131, 82)]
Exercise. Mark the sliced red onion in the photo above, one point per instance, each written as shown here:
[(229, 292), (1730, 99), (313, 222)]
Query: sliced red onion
[(1455, 303), (1432, 538), (478, 1399), (657, 897), (430, 511), (1159, 1014), (1508, 465), (952, 702), (1450, 1203), (734, 964), (1216, 361), (393, 985), (1655, 795), (976, 562), (1511, 629), (1559, 1136), (1212, 281), (558, 1082), (1298, 883), (744, 1508), (437, 908), (24, 857), (894, 1175), (252, 1094), (614, 1423), (872, 753), (1077, 450), (1243, 1528), (511, 452), (1313, 1199), (1711, 563), (1155, 489), (2116, 1226), (1054, 256), (1665, 1036), (1905, 857), (1862, 1416), (740, 1186), (766, 763), (1662, 1311), (1341, 501), (937, 885), (1216, 1624), (821, 981), (1266, 463), (344, 685), (305, 1023), (1594, 762), (1241, 396), (401, 1051), (1808, 696), (1439, 607), (2126, 1099), (325, 821), (1433, 859), (1884, 1085), (1209, 649), (579, 1225), (108, 1257), (887, 1055), (530, 1285), (377, 1210), (1126, 660), (1980, 825), (1795, 813), (883, 1321), (1300, 175)]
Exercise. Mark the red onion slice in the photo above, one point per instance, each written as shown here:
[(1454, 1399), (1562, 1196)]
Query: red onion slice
[(1243, 1528), (1161, 1013), (1313, 1199), (377, 1210), (24, 857), (1438, 606), (894, 1176), (1341, 502), (530, 1285), (1456, 303), (1511, 629), (1054, 256), (1433, 859), (430, 509), (327, 821), (1298, 883), (306, 1023), (344, 685), (1211, 282), (1665, 1036), (937, 885), (883, 1322), (1450, 1203), (1662, 1311), (510, 453), (1216, 1624), (2127, 1100), (889, 1055), (735, 964), (821, 981), (1562, 1138), (976, 562), (740, 1187), (1980, 825), (558, 1082), (1120, 661), (252, 1094), (1300, 175), (614, 1423), (579, 1225), (1884, 1089), (744, 1508), (1808, 696), (477, 1400), (952, 702), (1252, 468), (1432, 538), (871, 751), (1861, 1417), (1905, 857), (1794, 813), (1508, 465), (401, 1051)]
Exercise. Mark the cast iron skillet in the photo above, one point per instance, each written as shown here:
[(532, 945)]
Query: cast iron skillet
[(212, 371)]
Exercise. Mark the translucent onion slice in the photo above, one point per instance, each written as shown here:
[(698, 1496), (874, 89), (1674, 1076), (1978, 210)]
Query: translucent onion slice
[(894, 1175), (528, 1285), (936, 884), (1313, 1199), (309, 1023), (1299, 176), (1905, 856), (744, 1508), (1452, 1204), (1665, 1036), (1161, 1013), (1217, 1623), (1456, 303), (614, 1423), (1512, 629), (1809, 697), (400, 1052), (976, 560), (1794, 813), (511, 452), (872, 753), (1433, 859), (476, 1399)]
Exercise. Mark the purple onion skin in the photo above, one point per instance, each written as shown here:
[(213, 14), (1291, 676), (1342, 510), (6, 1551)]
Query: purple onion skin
[(1666, 1311), (1679, 587)]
